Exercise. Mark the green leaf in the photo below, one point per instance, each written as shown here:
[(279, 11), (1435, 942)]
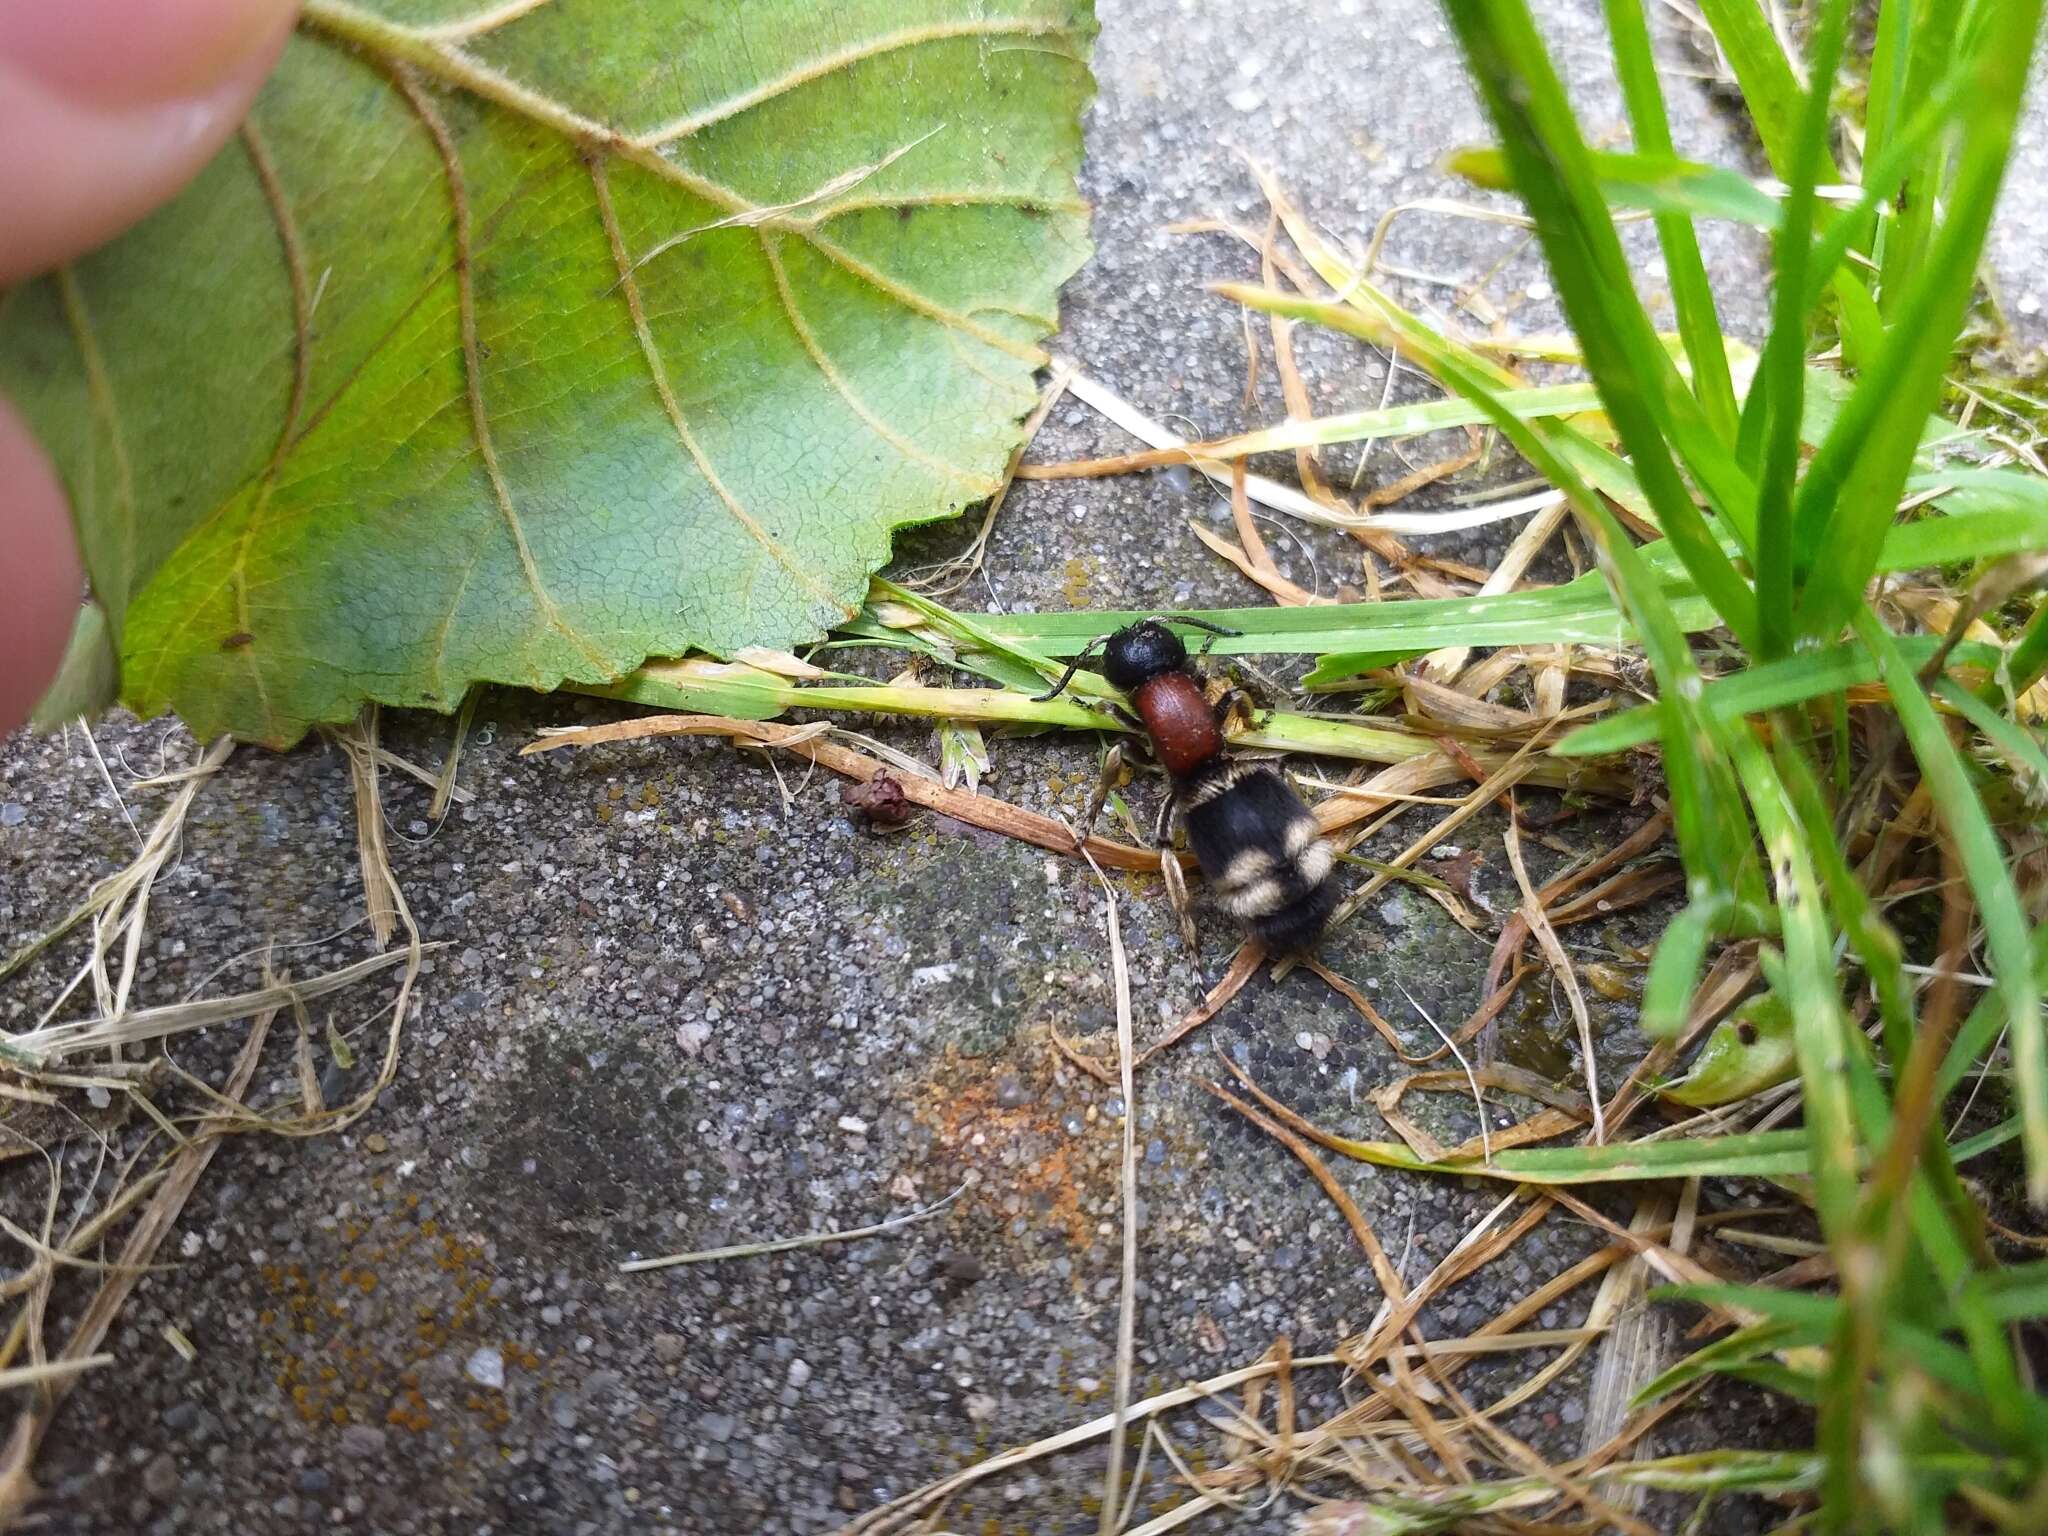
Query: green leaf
[(1763, 72), (1748, 1051), (1809, 675), (1845, 502), (523, 347), (1761, 1154), (86, 680), (1656, 183)]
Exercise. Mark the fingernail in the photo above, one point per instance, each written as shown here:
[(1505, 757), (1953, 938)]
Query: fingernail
[(130, 52)]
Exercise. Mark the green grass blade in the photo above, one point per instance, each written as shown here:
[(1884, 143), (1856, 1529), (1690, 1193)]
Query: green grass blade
[(1930, 37), (2013, 741), (1998, 902), (1764, 74), (1371, 316), (1826, 1042), (1873, 940), (1773, 685), (1757, 1154), (1730, 1352), (1691, 294), (1777, 398), (2029, 658), (1884, 172), (1659, 182), (1846, 501), (1652, 410), (1409, 420), (1706, 812), (2018, 1292), (1675, 966), (1988, 521), (1884, 100)]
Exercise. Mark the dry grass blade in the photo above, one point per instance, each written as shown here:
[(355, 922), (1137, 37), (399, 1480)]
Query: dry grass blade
[(1445, 665), (1268, 493), (1565, 1113), (1383, 1270), (386, 758), (119, 904), (894, 1515), (17, 1486), (1546, 939), (1250, 554), (1484, 1015), (789, 1244), (1243, 966), (359, 742), (1288, 594), (445, 787), (1633, 1351), (1443, 705), (1650, 835), (57, 1042), (806, 742), (1496, 784), (1127, 1185), (1430, 474), (50, 1370)]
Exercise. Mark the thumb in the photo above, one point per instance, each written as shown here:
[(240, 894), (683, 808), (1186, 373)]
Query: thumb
[(108, 107), (39, 577)]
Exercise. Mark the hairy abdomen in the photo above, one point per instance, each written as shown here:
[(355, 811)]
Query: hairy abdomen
[(1263, 855)]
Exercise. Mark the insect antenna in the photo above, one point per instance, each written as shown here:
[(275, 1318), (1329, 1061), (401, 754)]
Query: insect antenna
[(1195, 623), (1073, 666)]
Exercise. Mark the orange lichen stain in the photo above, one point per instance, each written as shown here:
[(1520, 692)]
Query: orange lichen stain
[(342, 1350), (1075, 588), (958, 1103)]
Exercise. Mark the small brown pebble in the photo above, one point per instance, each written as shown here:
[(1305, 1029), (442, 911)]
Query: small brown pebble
[(376, 1142), (881, 798)]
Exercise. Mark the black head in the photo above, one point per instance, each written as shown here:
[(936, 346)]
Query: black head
[(1136, 655)]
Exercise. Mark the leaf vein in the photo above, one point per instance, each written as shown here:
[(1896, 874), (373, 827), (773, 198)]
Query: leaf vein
[(295, 267), (825, 64), (629, 287), (472, 369), (965, 197), (476, 24), (980, 485), (364, 29), (101, 390)]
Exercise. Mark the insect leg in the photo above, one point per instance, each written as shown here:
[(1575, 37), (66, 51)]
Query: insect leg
[(1112, 770), (1162, 828), (1177, 896), (1239, 702)]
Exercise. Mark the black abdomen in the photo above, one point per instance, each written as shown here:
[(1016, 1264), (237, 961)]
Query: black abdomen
[(1262, 852)]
